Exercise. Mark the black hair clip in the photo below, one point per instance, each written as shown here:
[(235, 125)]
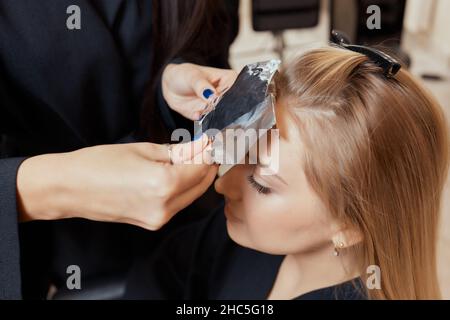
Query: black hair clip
[(390, 66)]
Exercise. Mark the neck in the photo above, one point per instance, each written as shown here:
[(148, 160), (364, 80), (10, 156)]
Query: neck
[(304, 272)]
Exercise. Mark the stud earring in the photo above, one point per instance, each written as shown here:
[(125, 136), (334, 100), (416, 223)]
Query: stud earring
[(337, 249)]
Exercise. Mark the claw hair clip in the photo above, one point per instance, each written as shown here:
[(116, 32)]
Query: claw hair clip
[(389, 65)]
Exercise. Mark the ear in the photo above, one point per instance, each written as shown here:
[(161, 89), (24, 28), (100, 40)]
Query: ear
[(347, 238)]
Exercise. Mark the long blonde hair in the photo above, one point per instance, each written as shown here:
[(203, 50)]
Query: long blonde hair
[(377, 153)]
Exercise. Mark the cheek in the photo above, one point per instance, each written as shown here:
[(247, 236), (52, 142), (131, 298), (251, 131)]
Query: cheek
[(282, 225)]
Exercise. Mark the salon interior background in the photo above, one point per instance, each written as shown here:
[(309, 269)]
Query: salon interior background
[(424, 37)]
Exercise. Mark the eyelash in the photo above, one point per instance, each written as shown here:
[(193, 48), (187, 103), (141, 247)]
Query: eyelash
[(259, 188)]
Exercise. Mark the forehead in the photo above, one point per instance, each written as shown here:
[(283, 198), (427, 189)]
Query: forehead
[(285, 119), (286, 149)]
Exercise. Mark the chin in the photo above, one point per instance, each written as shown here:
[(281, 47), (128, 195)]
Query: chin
[(239, 236), (235, 233)]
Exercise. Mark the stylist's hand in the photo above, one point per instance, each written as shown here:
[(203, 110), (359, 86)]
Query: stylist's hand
[(130, 183), (187, 87)]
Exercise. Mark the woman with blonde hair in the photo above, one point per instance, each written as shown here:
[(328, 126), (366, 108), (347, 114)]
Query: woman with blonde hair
[(363, 158)]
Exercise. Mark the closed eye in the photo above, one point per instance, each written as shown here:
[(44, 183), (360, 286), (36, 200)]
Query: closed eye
[(258, 187)]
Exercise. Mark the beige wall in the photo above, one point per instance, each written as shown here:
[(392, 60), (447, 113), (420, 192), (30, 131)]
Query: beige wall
[(431, 20), (441, 26), (419, 14)]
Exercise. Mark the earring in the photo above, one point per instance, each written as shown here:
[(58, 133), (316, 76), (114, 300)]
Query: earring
[(337, 249)]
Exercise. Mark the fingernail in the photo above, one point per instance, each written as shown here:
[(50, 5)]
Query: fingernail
[(208, 93)]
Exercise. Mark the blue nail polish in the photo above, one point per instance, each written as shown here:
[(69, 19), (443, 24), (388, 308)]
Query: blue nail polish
[(207, 93)]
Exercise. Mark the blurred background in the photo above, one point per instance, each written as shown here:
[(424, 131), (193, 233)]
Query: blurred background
[(417, 31)]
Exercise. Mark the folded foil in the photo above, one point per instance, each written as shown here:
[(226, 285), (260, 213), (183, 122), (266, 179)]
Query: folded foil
[(236, 119)]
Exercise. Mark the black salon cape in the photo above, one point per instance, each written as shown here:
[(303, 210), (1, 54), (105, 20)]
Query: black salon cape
[(61, 90), (202, 262)]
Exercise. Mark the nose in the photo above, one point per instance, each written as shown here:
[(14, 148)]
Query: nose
[(230, 184)]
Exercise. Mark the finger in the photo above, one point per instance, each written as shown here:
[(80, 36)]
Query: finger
[(203, 157), (203, 88), (183, 200), (185, 152), (186, 176), (190, 173), (179, 153), (220, 77), (196, 107)]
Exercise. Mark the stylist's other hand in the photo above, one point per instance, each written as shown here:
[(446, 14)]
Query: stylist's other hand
[(187, 87), (129, 183)]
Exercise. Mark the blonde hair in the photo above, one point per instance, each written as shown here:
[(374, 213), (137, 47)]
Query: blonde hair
[(377, 153)]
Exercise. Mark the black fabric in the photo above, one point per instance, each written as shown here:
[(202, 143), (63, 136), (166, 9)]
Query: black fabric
[(9, 238), (75, 88), (351, 290), (280, 15), (61, 90), (202, 262)]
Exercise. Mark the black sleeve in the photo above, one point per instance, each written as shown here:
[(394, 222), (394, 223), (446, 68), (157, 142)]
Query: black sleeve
[(69, 89), (172, 120), (10, 284), (131, 25)]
